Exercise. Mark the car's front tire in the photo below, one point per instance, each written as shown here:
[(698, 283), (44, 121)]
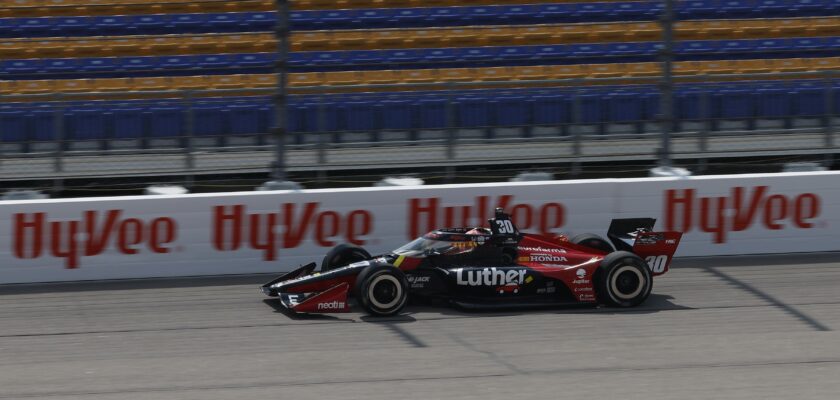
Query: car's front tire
[(342, 255), (381, 290), (623, 280)]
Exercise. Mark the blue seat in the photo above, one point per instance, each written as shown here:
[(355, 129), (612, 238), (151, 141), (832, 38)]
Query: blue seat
[(42, 123), (128, 120), (210, 119), (88, 122), (304, 20), (408, 17), (808, 7), (259, 21), (35, 27), (697, 9), (551, 108), (165, 120), (737, 46), (397, 113), (74, 26), (594, 12), (300, 59), (445, 15), (511, 110), (226, 22), (625, 49), (99, 64), (14, 125), (152, 24), (552, 51), (633, 11), (809, 99), (245, 119), (338, 19), (692, 103), (142, 63), (177, 62), (362, 57), (477, 54), (256, 60), (518, 53), (773, 101), (772, 45), (303, 116), (484, 15), (432, 112), (624, 106), (403, 56), (20, 67), (7, 27), (473, 111), (440, 55), (520, 14), (554, 13), (325, 58), (360, 115), (61, 65), (376, 17), (210, 61), (738, 8), (189, 23), (592, 110), (113, 25), (773, 8), (833, 44), (588, 50), (691, 47), (808, 44)]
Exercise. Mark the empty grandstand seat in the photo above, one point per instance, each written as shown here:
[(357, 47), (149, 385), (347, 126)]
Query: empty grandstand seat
[(15, 123), (246, 119), (790, 28), (734, 107), (87, 122), (773, 8), (473, 111), (178, 62), (360, 115), (209, 118), (112, 84), (34, 27), (737, 8), (410, 17), (588, 50), (441, 55), (698, 9), (773, 106), (72, 26), (150, 24), (643, 32), (74, 86), (478, 54), (403, 56), (42, 123), (551, 108), (141, 63), (112, 24), (22, 67), (150, 83), (809, 104), (214, 61), (98, 64), (807, 7), (255, 60), (259, 21), (165, 120), (520, 53), (511, 110), (397, 113), (226, 22), (432, 112), (380, 77), (623, 110)]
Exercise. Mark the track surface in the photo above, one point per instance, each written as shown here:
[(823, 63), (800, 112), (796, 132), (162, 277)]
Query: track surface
[(731, 328)]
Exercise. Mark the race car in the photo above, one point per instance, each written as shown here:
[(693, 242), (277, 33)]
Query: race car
[(480, 267)]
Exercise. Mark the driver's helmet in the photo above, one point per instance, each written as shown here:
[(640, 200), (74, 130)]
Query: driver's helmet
[(479, 231)]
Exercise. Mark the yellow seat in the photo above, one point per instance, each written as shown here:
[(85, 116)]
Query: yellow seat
[(264, 44), (419, 76), (226, 81), (824, 26), (498, 36), (163, 45), (343, 78), (350, 40), (112, 84), (428, 38), (534, 35), (205, 44), (124, 46), (607, 32), (460, 37), (34, 87), (457, 75), (391, 38), (150, 83), (719, 29), (139, 8), (24, 8), (178, 7), (759, 28), (494, 74), (74, 86), (311, 41), (366, 4), (262, 81), (13, 49), (824, 64), (606, 70), (566, 71), (790, 27), (7, 87), (320, 5), (190, 82), (644, 69), (642, 32), (306, 79), (530, 73), (789, 65), (51, 48), (687, 30), (706, 67), (381, 77), (752, 66), (88, 48), (572, 33)]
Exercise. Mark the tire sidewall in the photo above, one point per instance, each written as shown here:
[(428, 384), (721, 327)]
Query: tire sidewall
[(377, 274), (611, 267), (342, 255)]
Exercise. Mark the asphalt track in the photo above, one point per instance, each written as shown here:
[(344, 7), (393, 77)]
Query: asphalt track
[(725, 328)]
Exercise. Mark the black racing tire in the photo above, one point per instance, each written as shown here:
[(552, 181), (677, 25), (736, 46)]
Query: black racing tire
[(381, 290), (342, 255), (593, 241), (623, 280)]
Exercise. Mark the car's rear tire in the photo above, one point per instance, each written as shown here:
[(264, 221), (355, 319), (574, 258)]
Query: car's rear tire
[(623, 280), (593, 241), (342, 255), (381, 290)]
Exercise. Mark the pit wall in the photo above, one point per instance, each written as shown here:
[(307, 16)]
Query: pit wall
[(254, 232)]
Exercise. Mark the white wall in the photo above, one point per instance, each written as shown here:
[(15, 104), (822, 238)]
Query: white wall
[(154, 236)]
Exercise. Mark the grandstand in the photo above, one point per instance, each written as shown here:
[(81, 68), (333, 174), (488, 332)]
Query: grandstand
[(118, 75)]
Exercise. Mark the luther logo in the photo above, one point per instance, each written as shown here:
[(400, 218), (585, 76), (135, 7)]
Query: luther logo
[(489, 277)]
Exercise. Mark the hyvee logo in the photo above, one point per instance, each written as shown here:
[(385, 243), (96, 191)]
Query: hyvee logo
[(427, 214), (34, 234), (233, 227), (739, 211), (489, 277)]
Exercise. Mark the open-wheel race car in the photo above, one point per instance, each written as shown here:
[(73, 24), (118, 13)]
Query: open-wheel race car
[(496, 267)]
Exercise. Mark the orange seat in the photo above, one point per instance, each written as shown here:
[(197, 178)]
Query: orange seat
[(824, 26), (24, 8), (687, 30), (352, 40), (530, 73), (790, 27), (824, 64), (428, 38), (644, 69), (151, 83), (190, 82), (607, 32), (50, 48), (7, 87), (251, 6), (392, 38), (719, 29), (606, 70), (13, 49), (419, 76), (381, 77), (752, 66), (88, 48), (181, 8), (226, 81), (572, 33), (494, 74), (705, 67), (163, 45), (460, 37), (204, 44), (499, 36), (759, 28), (34, 87), (457, 75), (310, 41), (268, 81), (790, 65), (112, 84), (74, 86), (306, 79), (343, 78), (566, 71), (534, 35), (124, 46), (643, 32)]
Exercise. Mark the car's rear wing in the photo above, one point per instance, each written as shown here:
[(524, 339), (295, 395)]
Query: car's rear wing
[(636, 235)]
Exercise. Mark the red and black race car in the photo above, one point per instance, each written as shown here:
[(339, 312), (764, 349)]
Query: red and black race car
[(496, 267)]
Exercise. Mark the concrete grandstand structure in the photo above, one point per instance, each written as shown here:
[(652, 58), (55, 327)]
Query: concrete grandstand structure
[(87, 81)]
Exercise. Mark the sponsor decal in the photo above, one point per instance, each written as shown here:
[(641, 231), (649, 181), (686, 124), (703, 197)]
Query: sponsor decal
[(426, 214), (233, 227), (649, 239), (547, 258), (509, 288), (418, 282), (541, 249), (586, 297), (580, 273), (581, 281), (332, 305), (488, 276), (35, 235), (583, 289), (743, 208)]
